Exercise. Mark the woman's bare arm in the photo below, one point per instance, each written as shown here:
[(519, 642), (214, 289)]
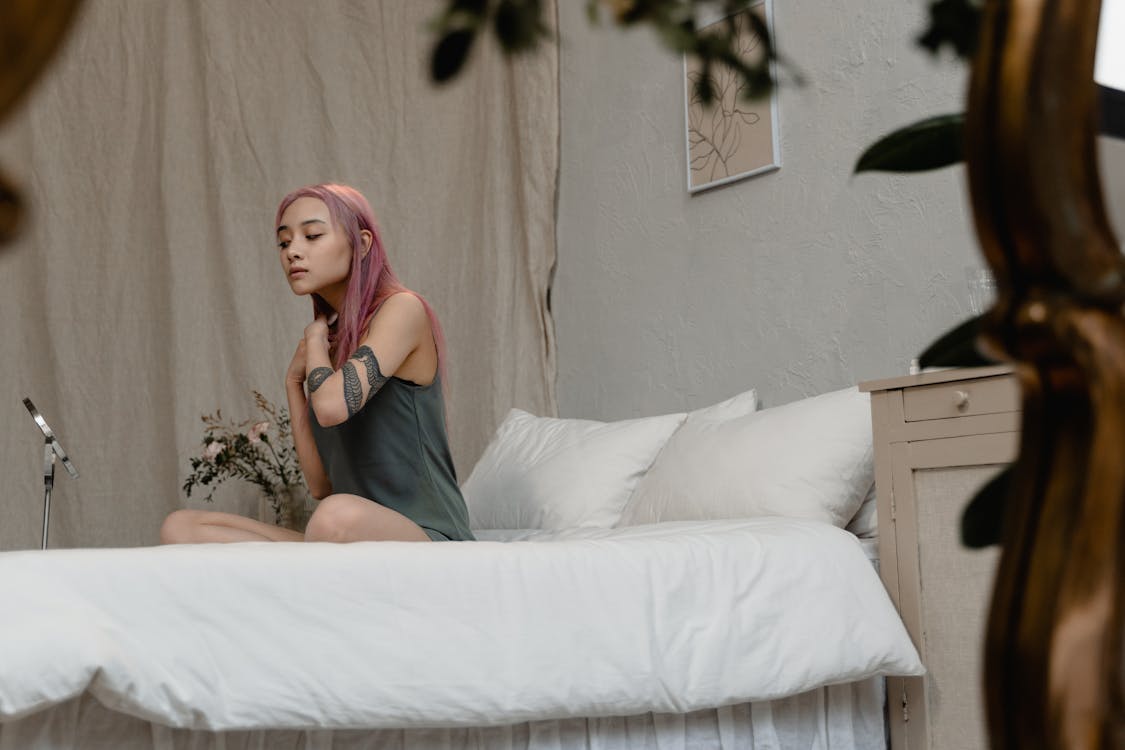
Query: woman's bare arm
[(395, 333), (307, 454)]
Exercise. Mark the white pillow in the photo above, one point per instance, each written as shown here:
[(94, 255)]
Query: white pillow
[(547, 473), (736, 406), (812, 458), (865, 522)]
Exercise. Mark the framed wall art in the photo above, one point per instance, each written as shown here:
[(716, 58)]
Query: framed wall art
[(733, 137)]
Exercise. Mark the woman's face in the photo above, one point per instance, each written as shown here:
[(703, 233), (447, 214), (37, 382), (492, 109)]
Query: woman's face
[(315, 254)]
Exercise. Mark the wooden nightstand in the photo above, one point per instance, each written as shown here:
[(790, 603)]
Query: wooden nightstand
[(938, 437)]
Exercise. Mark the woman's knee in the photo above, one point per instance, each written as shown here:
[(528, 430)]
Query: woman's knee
[(330, 522), (177, 527)]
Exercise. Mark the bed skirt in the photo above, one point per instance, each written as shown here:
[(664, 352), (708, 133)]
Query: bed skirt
[(838, 717)]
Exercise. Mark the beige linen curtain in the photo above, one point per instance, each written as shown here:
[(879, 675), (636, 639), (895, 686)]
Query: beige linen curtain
[(146, 289)]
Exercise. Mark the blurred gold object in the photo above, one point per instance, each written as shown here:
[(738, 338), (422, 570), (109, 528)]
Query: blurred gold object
[(31, 31), (1054, 645), (11, 209), (620, 8)]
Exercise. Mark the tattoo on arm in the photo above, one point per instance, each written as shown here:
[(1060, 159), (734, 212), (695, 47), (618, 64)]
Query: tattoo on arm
[(317, 377), (375, 377), (353, 393)]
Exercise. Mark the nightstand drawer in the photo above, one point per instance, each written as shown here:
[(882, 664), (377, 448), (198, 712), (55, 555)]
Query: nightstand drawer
[(961, 398)]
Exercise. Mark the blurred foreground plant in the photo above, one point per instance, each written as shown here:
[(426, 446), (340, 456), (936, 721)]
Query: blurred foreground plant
[(519, 26)]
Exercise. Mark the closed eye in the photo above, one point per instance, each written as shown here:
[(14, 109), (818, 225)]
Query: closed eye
[(283, 244), (313, 236)]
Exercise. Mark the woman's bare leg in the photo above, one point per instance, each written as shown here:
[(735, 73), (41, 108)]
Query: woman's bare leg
[(351, 518), (200, 526)]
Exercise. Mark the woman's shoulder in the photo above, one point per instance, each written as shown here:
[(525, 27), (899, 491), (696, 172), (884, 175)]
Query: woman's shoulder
[(404, 304), (406, 298), (400, 311)]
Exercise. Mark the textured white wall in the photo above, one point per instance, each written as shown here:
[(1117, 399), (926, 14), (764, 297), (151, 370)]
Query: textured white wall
[(795, 282)]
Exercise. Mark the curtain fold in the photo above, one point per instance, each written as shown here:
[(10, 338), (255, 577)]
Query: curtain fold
[(146, 289)]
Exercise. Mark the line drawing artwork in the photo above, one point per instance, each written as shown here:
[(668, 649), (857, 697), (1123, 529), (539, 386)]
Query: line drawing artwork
[(733, 137)]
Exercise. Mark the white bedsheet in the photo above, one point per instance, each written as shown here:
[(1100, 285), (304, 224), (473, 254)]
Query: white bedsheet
[(670, 617)]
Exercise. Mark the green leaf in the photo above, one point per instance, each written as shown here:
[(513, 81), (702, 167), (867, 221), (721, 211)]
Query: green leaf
[(762, 30), (517, 24), (933, 143), (450, 54), (682, 38), (982, 520), (705, 86), (956, 348), (592, 12), (953, 22)]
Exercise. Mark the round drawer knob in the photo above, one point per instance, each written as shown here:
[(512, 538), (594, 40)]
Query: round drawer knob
[(961, 399)]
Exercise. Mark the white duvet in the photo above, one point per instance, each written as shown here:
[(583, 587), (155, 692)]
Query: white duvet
[(669, 617)]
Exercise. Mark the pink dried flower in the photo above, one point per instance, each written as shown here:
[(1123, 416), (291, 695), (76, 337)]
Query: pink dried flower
[(256, 431), (213, 449)]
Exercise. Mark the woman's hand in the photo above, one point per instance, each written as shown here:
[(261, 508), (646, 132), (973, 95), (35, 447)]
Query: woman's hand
[(319, 327), (296, 372)]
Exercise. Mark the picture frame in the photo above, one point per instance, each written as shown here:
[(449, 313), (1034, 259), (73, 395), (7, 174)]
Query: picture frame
[(732, 139)]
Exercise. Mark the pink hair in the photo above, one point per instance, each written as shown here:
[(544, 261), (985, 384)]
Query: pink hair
[(370, 280)]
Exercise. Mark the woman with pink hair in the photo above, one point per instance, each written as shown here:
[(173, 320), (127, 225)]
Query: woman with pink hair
[(370, 432)]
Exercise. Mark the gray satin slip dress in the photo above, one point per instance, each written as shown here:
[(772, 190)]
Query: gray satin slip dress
[(395, 451)]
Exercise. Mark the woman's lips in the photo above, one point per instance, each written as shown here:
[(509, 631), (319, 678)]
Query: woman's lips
[(297, 274)]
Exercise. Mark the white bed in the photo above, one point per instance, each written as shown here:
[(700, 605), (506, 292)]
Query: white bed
[(593, 630), (671, 618)]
